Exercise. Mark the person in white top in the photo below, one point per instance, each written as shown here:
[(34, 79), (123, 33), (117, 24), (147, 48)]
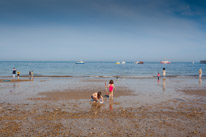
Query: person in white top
[(14, 72), (200, 73)]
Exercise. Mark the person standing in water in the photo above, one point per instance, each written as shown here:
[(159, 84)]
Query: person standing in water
[(14, 72), (32, 75), (200, 73), (18, 74), (29, 74), (158, 76), (111, 88), (164, 73)]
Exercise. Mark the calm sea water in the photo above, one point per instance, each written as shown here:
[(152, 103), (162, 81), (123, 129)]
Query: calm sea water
[(64, 68)]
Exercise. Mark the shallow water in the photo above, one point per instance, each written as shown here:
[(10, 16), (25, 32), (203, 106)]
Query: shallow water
[(146, 91)]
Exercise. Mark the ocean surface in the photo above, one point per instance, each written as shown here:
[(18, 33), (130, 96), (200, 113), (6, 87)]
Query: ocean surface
[(91, 68)]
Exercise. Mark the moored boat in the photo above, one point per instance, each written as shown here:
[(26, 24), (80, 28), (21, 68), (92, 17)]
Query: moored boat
[(117, 62), (165, 62), (139, 62), (80, 62), (123, 62), (202, 61)]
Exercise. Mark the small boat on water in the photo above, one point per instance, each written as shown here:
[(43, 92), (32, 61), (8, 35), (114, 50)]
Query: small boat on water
[(165, 62), (123, 62), (80, 62), (202, 61), (117, 62), (139, 62)]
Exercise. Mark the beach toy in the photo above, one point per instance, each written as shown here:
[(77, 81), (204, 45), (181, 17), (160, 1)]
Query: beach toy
[(101, 102), (106, 88)]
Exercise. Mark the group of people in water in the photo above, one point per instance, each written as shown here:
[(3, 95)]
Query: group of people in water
[(97, 96), (164, 74), (14, 72)]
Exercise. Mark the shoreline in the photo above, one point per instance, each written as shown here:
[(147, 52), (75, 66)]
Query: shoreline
[(51, 106), (100, 76)]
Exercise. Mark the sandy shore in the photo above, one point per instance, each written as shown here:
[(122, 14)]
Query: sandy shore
[(197, 92), (69, 112)]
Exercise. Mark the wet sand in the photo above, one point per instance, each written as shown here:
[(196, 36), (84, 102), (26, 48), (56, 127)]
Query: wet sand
[(14, 80), (79, 94), (197, 92), (69, 112)]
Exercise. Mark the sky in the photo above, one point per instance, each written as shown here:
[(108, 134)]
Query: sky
[(102, 30)]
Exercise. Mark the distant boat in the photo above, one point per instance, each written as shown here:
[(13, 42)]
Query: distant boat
[(123, 62), (202, 61), (139, 62), (193, 62), (165, 62), (80, 62), (117, 62)]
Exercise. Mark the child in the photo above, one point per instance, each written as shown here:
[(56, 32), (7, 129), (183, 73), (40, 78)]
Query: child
[(111, 88), (96, 96), (18, 74), (32, 75), (158, 76)]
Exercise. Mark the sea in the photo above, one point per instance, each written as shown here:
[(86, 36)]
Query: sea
[(100, 69)]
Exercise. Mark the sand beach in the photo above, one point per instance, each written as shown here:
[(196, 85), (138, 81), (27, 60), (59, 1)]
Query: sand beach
[(61, 106)]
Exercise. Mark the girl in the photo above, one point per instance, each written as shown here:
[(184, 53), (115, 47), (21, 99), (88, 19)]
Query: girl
[(158, 76), (111, 88), (96, 96)]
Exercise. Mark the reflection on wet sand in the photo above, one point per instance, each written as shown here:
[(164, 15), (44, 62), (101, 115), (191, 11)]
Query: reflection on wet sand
[(14, 86), (200, 82), (111, 104), (163, 84), (95, 107)]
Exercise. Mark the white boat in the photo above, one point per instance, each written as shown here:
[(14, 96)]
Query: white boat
[(123, 62), (136, 62), (80, 62), (165, 62)]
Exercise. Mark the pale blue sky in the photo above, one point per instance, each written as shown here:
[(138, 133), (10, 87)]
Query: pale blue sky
[(105, 30)]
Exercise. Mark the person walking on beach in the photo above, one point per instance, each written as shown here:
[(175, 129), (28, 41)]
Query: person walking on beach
[(164, 73), (18, 74), (14, 72), (158, 76), (200, 73), (96, 96), (111, 88)]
